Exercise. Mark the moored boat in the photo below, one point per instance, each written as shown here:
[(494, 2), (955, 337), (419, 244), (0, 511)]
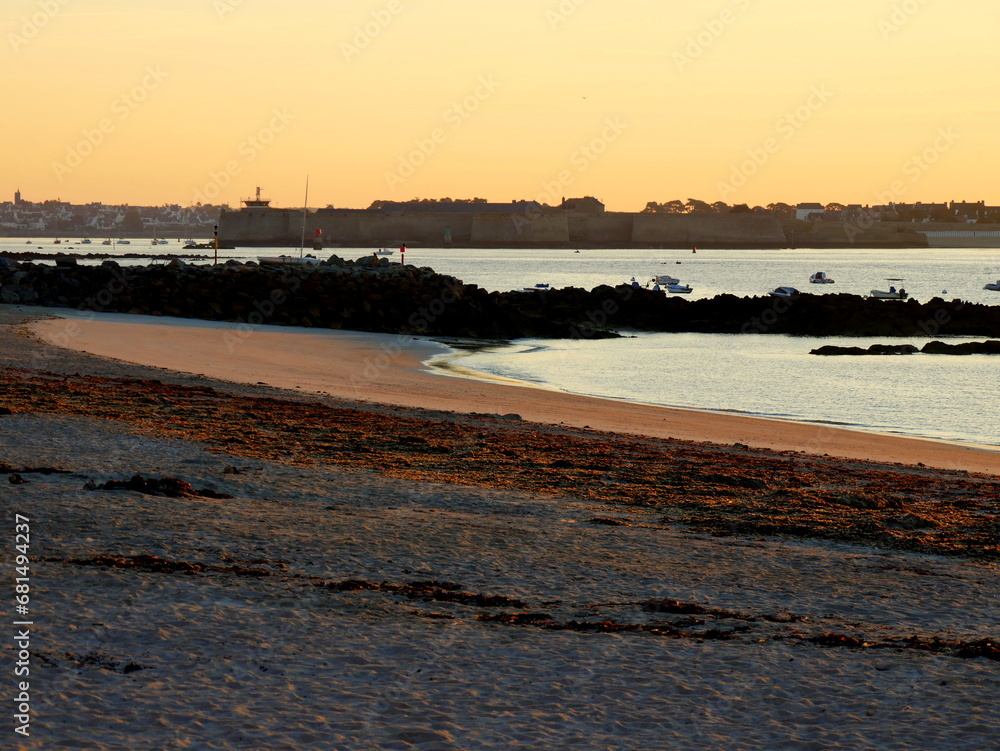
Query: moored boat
[(665, 279), (820, 277), (891, 294), (287, 260), (784, 292), (679, 289), (992, 286)]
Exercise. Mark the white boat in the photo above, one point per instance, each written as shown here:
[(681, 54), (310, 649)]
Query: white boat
[(678, 288), (287, 260), (665, 279), (992, 286), (784, 292), (820, 277), (892, 294), (384, 252)]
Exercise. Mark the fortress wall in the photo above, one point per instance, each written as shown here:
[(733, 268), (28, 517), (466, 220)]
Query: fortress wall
[(422, 228), (255, 226), (607, 229), (846, 234), (337, 228), (732, 230), (517, 229)]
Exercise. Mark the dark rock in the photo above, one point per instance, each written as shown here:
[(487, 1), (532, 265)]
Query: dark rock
[(16, 479), (606, 521), (5, 411), (911, 522), (990, 347), (836, 640), (170, 487), (875, 349), (829, 349), (892, 349)]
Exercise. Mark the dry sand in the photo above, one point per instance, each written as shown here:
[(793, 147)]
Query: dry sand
[(389, 369), (246, 645)]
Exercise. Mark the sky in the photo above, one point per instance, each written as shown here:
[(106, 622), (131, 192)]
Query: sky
[(631, 101)]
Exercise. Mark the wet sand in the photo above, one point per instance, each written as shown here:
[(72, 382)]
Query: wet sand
[(390, 369)]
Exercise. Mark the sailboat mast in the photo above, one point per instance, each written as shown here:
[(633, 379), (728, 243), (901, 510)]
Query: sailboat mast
[(305, 211)]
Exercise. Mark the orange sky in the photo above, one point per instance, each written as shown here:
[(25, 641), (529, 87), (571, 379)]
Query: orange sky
[(632, 101)]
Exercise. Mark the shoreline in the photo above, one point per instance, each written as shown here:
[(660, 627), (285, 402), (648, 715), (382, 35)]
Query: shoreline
[(447, 367), (389, 369)]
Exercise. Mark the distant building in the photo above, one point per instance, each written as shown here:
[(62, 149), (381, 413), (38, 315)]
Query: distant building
[(969, 212), (586, 205), (809, 211), (17, 197), (258, 202), (459, 207)]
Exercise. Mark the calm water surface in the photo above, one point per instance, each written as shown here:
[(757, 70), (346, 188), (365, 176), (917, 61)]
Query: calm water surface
[(936, 396)]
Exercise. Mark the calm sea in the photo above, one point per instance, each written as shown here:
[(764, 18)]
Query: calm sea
[(936, 396)]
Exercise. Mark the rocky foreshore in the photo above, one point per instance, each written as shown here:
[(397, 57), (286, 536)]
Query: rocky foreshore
[(369, 295)]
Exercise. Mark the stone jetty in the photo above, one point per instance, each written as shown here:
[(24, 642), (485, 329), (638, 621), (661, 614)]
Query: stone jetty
[(370, 294)]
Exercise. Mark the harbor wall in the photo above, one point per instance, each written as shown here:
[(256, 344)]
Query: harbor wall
[(708, 230), (283, 228)]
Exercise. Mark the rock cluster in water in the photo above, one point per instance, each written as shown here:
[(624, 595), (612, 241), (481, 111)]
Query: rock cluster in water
[(372, 295), (991, 347)]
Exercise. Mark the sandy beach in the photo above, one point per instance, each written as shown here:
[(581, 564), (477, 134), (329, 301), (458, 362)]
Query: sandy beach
[(387, 369), (325, 573)]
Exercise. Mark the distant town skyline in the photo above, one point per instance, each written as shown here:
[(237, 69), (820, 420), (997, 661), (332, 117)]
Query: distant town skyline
[(874, 102)]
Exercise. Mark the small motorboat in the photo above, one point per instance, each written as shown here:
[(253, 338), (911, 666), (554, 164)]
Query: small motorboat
[(892, 294), (384, 252), (820, 277), (784, 292), (536, 288), (85, 241), (995, 287), (106, 242), (678, 288), (124, 242), (306, 260), (665, 279)]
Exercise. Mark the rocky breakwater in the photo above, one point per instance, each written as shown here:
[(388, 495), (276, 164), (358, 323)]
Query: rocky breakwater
[(368, 295), (362, 295), (625, 307)]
